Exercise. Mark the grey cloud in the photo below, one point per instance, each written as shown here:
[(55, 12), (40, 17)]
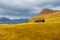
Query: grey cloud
[(25, 8)]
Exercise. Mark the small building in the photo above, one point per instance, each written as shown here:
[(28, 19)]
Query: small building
[(40, 20)]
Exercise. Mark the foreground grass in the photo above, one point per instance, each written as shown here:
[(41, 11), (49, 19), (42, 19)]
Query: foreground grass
[(30, 31)]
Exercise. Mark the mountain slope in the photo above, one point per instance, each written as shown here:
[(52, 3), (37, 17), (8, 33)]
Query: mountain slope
[(48, 15)]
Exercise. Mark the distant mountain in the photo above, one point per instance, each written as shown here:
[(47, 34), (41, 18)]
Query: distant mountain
[(47, 14), (4, 20)]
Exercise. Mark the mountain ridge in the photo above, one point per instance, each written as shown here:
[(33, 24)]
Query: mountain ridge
[(4, 20), (47, 14)]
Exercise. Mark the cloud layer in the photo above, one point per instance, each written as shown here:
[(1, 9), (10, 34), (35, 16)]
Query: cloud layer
[(25, 8)]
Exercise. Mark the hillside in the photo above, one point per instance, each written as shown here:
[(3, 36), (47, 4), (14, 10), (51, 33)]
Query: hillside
[(49, 16), (27, 31)]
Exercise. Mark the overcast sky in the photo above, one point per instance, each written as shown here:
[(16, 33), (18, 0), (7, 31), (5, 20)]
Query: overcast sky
[(25, 8)]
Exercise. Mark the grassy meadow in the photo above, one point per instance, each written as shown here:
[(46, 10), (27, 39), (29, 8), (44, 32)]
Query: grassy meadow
[(30, 31)]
